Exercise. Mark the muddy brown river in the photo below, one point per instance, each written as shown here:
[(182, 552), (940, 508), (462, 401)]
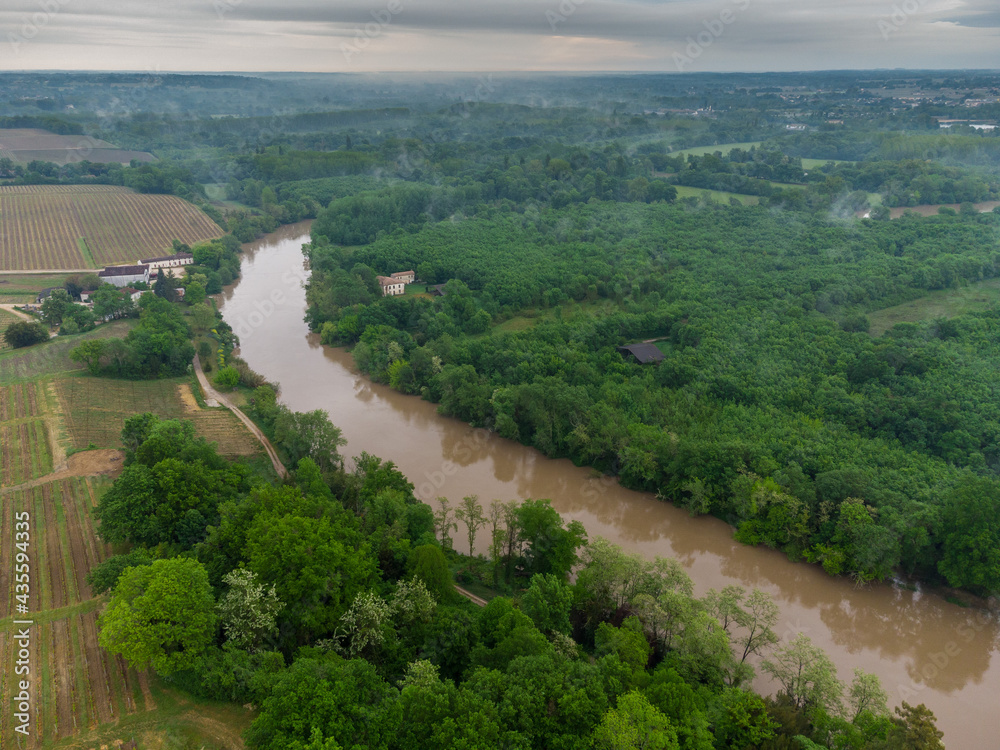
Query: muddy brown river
[(924, 649)]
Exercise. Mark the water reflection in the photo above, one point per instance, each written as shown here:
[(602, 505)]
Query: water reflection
[(924, 648)]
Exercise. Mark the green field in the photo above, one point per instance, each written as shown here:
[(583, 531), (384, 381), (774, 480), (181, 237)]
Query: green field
[(530, 317), (53, 356), (19, 289), (419, 289), (25, 447), (946, 303)]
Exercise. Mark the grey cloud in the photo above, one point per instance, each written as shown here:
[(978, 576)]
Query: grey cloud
[(433, 34)]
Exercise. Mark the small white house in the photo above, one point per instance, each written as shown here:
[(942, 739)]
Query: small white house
[(121, 276), (391, 287), (406, 277)]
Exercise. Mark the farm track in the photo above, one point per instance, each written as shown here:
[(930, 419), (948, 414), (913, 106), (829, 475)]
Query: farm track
[(64, 679), (212, 394), (7, 553)]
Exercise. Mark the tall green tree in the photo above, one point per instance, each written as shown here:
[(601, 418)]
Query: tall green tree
[(160, 615), (23, 333), (807, 676), (635, 724), (470, 512)]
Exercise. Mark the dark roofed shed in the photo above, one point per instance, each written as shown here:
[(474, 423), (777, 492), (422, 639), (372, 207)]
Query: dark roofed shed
[(643, 353)]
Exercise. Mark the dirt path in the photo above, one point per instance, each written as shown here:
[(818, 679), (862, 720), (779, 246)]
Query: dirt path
[(16, 313), (24, 316), (107, 462), (213, 395), (477, 600)]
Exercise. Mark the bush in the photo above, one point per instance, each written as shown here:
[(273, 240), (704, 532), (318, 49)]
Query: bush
[(248, 377), (856, 323), (23, 333), (227, 378)]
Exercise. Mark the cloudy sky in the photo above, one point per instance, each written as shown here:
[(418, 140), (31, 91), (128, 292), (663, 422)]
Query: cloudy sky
[(496, 35)]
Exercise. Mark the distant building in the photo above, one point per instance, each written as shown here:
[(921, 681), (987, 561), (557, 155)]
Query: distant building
[(170, 264), (124, 275), (406, 277), (437, 290), (643, 353), (45, 293), (135, 294), (391, 287)]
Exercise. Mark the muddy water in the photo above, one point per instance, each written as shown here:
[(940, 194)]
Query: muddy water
[(924, 649)]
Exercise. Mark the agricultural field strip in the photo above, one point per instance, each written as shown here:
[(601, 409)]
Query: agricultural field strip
[(77, 686), (26, 454)]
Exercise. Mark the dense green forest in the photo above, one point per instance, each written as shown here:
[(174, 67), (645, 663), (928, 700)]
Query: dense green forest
[(773, 408), (328, 602)]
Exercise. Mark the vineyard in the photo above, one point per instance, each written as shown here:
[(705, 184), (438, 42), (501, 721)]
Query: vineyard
[(58, 226), (75, 684), (25, 452), (94, 411)]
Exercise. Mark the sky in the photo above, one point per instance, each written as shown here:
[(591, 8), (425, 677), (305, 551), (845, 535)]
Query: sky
[(497, 35)]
